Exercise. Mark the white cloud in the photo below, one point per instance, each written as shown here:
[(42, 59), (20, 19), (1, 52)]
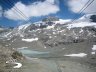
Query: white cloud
[(1, 11), (33, 10), (51, 1), (76, 5)]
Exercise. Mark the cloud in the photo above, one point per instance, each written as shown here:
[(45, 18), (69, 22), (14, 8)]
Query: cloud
[(1, 11), (51, 1), (77, 5), (33, 10)]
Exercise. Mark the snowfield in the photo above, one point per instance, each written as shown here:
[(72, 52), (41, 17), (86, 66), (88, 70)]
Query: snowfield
[(81, 24), (30, 40), (62, 21), (23, 26), (77, 55)]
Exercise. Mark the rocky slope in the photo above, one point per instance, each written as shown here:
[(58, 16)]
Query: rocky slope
[(56, 40), (8, 59), (51, 34)]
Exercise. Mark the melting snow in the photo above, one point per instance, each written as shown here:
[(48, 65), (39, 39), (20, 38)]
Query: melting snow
[(12, 41), (1, 29), (63, 48), (6, 45), (50, 36), (54, 33), (7, 34), (81, 24), (30, 40), (18, 65), (23, 48), (94, 47), (77, 55), (61, 31), (9, 44), (55, 36), (50, 27), (92, 52), (23, 26), (81, 31), (44, 46), (94, 35), (61, 21)]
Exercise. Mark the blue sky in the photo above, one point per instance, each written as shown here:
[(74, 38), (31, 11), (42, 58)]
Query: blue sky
[(64, 12)]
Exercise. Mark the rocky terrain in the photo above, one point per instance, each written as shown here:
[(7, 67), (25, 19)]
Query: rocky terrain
[(8, 58), (61, 43)]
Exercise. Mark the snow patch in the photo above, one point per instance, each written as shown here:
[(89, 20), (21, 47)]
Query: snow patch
[(63, 48), (92, 53), (50, 27), (44, 46), (94, 35), (6, 35), (77, 55), (23, 26), (54, 33), (55, 36), (61, 31), (61, 21), (50, 36), (81, 24), (23, 48), (6, 45), (18, 65), (81, 31), (94, 47), (1, 29), (30, 40)]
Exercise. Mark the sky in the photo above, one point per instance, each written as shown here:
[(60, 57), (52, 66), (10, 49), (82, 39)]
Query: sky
[(17, 12)]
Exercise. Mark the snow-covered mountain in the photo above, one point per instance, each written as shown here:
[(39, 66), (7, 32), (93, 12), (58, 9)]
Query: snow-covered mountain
[(87, 18), (53, 33)]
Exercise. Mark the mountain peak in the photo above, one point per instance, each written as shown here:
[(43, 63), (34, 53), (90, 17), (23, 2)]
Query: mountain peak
[(50, 18), (88, 18)]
